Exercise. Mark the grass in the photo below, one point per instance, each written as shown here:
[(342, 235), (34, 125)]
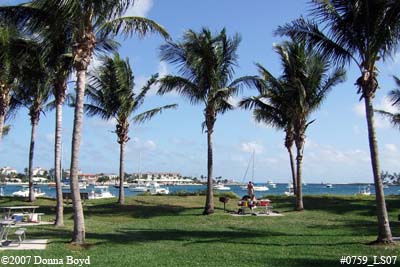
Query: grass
[(170, 231)]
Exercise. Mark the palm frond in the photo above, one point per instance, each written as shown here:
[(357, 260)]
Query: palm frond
[(181, 85), (148, 115), (129, 26), (394, 118)]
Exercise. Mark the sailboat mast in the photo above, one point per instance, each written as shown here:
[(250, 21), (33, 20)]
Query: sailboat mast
[(252, 175), (140, 161)]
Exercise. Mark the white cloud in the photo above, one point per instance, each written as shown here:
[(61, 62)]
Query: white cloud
[(141, 8), (393, 63), (252, 147), (163, 69), (50, 137), (138, 144), (380, 121), (386, 104), (359, 109), (391, 148), (97, 122), (150, 145)]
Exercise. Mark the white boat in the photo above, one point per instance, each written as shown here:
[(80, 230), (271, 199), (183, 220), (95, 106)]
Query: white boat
[(156, 189), (24, 192), (366, 191), (271, 184), (139, 187), (125, 185), (290, 191), (82, 186), (221, 187), (100, 192), (260, 188), (328, 185)]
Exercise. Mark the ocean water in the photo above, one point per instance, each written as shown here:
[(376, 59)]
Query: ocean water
[(309, 189)]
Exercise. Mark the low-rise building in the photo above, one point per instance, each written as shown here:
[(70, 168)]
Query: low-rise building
[(38, 171), (167, 178), (8, 170)]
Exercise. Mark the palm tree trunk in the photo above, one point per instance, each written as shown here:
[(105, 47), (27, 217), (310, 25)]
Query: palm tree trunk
[(121, 199), (79, 221), (292, 167), (299, 162), (34, 123), (4, 106), (209, 208), (384, 232), (57, 165), (2, 119)]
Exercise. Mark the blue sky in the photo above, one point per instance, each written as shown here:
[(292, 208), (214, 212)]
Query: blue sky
[(336, 147)]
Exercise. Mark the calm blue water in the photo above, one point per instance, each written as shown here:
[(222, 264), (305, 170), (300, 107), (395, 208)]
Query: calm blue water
[(309, 189)]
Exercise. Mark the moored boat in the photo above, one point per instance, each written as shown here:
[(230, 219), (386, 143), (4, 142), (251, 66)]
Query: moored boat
[(100, 192), (24, 192), (221, 187)]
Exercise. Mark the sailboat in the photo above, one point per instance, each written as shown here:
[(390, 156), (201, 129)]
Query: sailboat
[(290, 191), (259, 188)]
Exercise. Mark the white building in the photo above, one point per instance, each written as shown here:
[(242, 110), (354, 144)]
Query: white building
[(8, 171), (38, 171), (162, 178)]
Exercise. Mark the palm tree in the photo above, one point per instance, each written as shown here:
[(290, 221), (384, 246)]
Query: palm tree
[(272, 107), (10, 38), (394, 95), (362, 32), (91, 20), (33, 92), (206, 66), (294, 96), (57, 37), (111, 96)]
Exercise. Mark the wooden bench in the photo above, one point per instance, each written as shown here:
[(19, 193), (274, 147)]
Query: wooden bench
[(20, 233)]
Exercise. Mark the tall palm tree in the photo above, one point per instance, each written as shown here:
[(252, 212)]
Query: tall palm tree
[(272, 107), (206, 64), (111, 96), (33, 92), (90, 20), (57, 38), (10, 39), (294, 96), (394, 95), (362, 32)]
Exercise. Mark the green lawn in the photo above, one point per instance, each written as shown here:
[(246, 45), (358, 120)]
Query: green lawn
[(169, 231)]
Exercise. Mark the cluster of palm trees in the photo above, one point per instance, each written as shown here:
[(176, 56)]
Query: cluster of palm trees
[(68, 33)]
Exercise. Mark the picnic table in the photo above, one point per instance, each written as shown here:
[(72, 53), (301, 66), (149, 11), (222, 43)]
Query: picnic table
[(265, 204), (4, 229), (18, 213)]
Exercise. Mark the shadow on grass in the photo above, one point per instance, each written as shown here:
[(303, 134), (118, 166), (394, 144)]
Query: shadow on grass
[(143, 209), (341, 205), (236, 236)]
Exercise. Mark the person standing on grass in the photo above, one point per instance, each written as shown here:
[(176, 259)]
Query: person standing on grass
[(250, 190)]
